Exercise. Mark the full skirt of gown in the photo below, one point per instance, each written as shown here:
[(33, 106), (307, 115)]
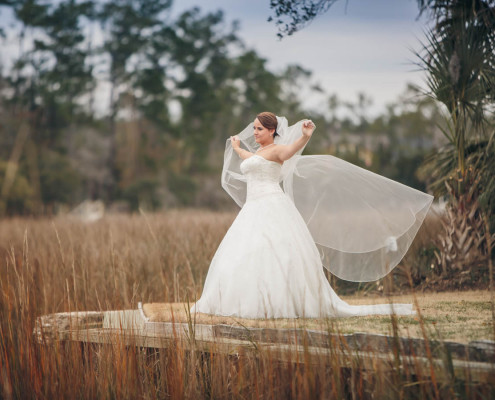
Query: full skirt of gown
[(268, 266)]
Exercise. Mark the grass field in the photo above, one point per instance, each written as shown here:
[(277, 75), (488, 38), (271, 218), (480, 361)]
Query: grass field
[(454, 316), (61, 264)]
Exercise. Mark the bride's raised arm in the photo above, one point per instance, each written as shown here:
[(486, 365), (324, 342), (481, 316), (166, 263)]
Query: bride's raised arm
[(236, 146), (284, 152)]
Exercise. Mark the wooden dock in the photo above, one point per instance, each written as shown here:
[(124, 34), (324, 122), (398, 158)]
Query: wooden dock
[(474, 361)]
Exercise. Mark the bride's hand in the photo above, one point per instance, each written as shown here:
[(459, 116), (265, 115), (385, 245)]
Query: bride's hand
[(236, 143), (308, 128)]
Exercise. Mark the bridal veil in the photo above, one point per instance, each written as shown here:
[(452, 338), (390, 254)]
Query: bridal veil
[(361, 222)]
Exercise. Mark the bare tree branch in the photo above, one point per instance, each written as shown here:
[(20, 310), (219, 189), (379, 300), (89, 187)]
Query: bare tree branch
[(292, 15)]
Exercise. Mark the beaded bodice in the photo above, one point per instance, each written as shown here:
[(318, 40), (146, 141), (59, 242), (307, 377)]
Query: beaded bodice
[(262, 177)]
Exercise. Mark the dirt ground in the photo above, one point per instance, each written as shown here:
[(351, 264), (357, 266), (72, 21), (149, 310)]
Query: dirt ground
[(456, 316)]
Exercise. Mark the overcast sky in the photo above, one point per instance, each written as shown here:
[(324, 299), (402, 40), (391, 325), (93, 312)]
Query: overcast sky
[(358, 45)]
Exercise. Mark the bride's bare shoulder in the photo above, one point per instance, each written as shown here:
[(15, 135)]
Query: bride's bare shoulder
[(273, 154)]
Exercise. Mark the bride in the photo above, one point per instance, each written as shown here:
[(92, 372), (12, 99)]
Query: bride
[(331, 213)]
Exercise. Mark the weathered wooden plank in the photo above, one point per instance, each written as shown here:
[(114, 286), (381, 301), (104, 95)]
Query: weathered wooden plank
[(123, 319), (56, 326), (299, 353), (474, 351), (365, 351)]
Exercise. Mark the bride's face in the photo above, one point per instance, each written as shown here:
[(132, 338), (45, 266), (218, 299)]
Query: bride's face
[(262, 134)]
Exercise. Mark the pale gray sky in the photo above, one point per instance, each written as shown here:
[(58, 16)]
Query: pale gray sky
[(357, 46)]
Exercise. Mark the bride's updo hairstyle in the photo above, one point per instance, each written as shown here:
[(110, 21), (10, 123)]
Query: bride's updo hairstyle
[(269, 121)]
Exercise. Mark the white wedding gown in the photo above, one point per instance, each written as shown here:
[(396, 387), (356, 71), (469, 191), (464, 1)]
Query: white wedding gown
[(268, 265)]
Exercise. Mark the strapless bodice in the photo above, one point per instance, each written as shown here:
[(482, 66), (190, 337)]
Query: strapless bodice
[(262, 176)]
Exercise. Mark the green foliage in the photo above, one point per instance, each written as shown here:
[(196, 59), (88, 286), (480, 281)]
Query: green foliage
[(440, 167), (393, 144), (55, 70), (487, 195), (20, 197), (179, 87), (205, 92), (143, 193), (65, 49), (133, 31), (183, 188), (464, 245), (459, 58), (58, 179)]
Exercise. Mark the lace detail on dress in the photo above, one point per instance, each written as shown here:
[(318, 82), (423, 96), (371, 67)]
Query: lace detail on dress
[(262, 176)]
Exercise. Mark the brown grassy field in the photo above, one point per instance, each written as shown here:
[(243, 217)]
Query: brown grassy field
[(61, 264), (455, 316)]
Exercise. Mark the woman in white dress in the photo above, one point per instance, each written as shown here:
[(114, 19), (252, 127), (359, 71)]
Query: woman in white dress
[(268, 264)]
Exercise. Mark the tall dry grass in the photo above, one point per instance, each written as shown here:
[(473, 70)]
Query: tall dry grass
[(49, 266)]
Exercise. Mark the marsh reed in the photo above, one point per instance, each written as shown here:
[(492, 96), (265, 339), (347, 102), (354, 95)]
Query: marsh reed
[(61, 264)]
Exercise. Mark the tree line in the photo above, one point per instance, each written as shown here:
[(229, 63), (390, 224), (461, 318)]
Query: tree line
[(174, 89), (458, 58), (177, 87)]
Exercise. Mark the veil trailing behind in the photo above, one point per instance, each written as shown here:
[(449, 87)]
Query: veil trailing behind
[(362, 223)]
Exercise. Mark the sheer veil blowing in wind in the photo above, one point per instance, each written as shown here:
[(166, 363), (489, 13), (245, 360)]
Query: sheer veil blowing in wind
[(362, 223), (329, 213)]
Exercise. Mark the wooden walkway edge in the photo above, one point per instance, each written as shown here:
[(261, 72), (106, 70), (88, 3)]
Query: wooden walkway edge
[(474, 361)]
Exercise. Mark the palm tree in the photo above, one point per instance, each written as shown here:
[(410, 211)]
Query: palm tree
[(459, 59)]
